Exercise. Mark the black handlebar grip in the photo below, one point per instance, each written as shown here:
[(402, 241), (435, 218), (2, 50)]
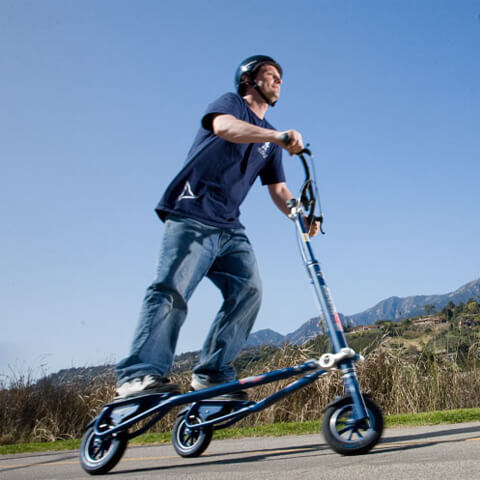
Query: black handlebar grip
[(286, 138)]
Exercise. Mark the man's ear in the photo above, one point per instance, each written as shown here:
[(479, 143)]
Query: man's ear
[(244, 83)]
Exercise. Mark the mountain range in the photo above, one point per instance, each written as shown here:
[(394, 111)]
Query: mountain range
[(393, 308)]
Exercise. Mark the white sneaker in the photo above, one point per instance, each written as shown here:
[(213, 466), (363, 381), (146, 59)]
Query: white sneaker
[(197, 384), (146, 384)]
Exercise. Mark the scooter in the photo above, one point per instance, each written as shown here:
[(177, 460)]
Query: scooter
[(352, 424)]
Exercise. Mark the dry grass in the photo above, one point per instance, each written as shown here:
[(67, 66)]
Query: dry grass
[(45, 411), (422, 384)]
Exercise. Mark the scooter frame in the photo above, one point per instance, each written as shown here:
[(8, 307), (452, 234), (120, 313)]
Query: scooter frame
[(208, 411), (159, 404)]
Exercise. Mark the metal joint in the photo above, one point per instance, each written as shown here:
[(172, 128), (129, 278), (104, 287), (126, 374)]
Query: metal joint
[(329, 361)]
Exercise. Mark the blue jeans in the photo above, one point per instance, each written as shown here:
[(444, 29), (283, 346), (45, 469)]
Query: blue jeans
[(191, 251)]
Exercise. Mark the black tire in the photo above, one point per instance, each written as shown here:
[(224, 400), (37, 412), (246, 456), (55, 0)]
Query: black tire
[(99, 455), (190, 443), (348, 438)]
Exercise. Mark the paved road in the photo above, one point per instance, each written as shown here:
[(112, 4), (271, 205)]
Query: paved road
[(426, 453)]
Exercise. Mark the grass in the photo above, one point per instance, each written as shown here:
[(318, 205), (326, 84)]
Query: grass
[(53, 413), (433, 418), (271, 430)]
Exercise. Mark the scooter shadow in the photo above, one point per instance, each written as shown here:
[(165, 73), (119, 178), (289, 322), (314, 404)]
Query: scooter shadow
[(249, 456), (422, 440)]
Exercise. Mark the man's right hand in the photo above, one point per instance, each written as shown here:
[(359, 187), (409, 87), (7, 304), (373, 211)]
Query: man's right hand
[(291, 140)]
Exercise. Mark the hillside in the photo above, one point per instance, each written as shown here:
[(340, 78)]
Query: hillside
[(396, 308), (263, 342), (393, 308)]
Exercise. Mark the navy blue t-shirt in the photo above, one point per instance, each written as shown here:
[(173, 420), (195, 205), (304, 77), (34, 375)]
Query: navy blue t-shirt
[(218, 174)]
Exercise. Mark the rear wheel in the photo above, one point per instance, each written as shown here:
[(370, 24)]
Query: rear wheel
[(189, 442), (100, 454), (348, 436)]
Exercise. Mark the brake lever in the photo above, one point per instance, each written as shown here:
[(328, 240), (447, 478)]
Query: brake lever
[(306, 151)]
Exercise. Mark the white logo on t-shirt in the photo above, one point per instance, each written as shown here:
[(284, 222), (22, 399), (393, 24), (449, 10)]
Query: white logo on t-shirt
[(263, 150), (187, 193)]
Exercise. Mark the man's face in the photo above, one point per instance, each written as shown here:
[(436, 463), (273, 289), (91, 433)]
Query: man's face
[(269, 80)]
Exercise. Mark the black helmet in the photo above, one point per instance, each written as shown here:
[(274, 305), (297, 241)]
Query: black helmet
[(250, 67)]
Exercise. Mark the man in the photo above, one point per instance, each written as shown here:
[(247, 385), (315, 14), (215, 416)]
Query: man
[(203, 236)]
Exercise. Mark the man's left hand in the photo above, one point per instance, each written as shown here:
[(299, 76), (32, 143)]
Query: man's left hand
[(313, 228)]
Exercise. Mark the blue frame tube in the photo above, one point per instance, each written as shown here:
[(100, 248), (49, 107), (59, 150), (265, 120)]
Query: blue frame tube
[(191, 397), (325, 300), (331, 318), (253, 407)]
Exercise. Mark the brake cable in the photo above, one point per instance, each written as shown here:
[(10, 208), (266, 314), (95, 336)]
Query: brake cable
[(309, 196)]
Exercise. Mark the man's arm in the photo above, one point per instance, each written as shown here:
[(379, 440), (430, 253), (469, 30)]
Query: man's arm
[(280, 195), (237, 131)]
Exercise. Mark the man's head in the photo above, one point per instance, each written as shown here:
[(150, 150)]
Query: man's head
[(263, 74)]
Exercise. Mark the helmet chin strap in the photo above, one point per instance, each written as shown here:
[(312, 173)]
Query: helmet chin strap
[(259, 90)]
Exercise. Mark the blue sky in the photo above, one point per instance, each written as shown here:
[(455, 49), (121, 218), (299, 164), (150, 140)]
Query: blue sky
[(100, 101)]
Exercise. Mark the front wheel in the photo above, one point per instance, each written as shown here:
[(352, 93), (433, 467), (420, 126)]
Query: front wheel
[(189, 442), (100, 454), (348, 436)]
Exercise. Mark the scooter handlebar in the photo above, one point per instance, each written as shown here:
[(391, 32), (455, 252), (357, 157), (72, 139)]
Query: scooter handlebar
[(286, 140)]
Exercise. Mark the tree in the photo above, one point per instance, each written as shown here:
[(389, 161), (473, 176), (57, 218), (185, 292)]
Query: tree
[(473, 307), (447, 311)]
